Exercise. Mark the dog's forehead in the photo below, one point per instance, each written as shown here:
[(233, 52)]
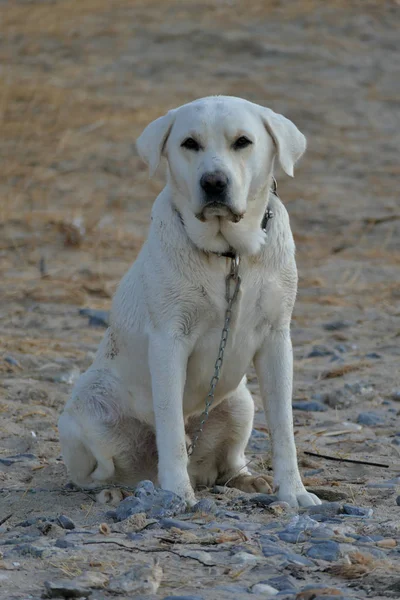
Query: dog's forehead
[(214, 115)]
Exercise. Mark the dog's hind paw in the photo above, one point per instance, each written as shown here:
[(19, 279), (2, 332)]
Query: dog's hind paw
[(112, 496), (251, 483)]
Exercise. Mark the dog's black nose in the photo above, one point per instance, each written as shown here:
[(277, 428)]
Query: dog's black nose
[(214, 184)]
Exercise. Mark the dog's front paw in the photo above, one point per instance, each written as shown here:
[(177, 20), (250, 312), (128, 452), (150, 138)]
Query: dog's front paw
[(181, 487), (296, 495)]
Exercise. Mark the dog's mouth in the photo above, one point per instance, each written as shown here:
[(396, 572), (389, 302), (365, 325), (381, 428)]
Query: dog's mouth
[(218, 209)]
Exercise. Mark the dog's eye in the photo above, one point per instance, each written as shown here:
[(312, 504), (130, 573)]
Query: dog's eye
[(191, 144), (241, 142)]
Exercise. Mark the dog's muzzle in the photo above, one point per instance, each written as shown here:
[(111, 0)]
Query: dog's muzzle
[(218, 209), (215, 187)]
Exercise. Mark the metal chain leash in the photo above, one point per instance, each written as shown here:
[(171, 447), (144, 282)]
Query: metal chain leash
[(232, 289)]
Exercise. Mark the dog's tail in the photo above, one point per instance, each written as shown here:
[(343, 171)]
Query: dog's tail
[(86, 468)]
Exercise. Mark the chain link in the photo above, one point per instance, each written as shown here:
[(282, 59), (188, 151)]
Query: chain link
[(232, 283)]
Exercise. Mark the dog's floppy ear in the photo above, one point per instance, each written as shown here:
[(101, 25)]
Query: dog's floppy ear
[(151, 143), (289, 141)]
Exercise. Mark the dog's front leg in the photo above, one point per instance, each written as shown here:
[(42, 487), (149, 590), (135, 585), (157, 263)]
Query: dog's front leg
[(168, 361), (274, 366)]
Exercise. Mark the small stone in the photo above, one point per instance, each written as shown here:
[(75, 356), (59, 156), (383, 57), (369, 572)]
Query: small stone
[(319, 351), (398, 500), (141, 579), (97, 318), (12, 361), (32, 551), (65, 522), (204, 557), (282, 582), (279, 508), (357, 511), (387, 543), (373, 355), (183, 525), (298, 560), (311, 593), (183, 598), (337, 399), (63, 543), (205, 506), (262, 500), (104, 528), (370, 419), (76, 588), (245, 558), (396, 441), (336, 325), (329, 509), (326, 550), (263, 588), (154, 502), (270, 548), (325, 493), (395, 395), (309, 406)]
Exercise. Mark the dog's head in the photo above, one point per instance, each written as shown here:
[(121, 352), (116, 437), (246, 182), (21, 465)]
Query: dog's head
[(220, 152)]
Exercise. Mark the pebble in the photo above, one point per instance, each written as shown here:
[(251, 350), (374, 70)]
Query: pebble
[(370, 419), (10, 460), (328, 494), (357, 511), (32, 551), (141, 579), (311, 406), (282, 582), (325, 550), (65, 522), (183, 525), (263, 588), (336, 325), (398, 500), (205, 505), (387, 543), (335, 398), (395, 395), (245, 558), (12, 361), (298, 559), (318, 351), (76, 588), (62, 543), (183, 598), (97, 318), (328, 509), (204, 557), (279, 508), (313, 592), (154, 502), (262, 500)]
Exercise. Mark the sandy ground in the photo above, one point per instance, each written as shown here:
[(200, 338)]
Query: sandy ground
[(78, 82)]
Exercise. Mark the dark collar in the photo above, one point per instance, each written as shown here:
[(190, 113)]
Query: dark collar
[(268, 214)]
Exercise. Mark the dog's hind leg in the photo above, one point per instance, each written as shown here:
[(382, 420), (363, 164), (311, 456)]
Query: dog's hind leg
[(219, 456), (89, 428)]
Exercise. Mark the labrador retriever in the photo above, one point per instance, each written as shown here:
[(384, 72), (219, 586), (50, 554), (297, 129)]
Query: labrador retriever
[(138, 408)]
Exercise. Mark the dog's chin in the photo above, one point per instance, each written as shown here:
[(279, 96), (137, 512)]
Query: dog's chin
[(217, 209)]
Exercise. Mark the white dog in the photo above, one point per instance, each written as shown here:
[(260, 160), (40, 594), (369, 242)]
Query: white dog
[(132, 414)]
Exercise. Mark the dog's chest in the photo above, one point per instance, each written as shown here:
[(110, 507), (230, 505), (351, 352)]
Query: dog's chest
[(252, 314)]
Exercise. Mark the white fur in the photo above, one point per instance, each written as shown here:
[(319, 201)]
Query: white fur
[(143, 395)]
